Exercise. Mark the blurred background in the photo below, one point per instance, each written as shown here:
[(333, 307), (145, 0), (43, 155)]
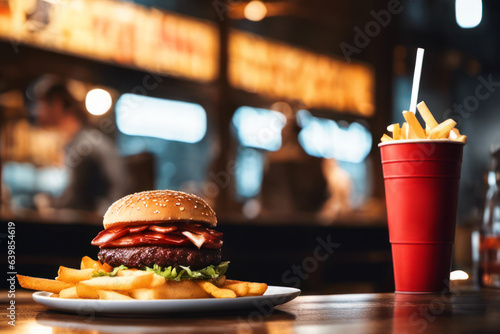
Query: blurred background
[(270, 110)]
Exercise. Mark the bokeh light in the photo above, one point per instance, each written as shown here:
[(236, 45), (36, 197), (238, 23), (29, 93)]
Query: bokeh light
[(255, 11), (468, 13), (98, 101), (458, 275)]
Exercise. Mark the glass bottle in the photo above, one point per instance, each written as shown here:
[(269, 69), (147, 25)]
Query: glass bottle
[(489, 244)]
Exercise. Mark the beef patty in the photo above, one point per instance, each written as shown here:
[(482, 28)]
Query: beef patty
[(134, 257)]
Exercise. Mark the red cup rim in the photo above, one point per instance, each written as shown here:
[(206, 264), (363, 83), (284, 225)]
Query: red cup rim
[(420, 141)]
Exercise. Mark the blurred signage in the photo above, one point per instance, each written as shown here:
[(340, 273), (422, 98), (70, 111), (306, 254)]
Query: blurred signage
[(115, 31), (280, 71), (157, 41), (21, 142)]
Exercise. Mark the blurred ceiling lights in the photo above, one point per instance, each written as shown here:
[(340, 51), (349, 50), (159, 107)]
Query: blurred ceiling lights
[(98, 101), (239, 10), (255, 11), (468, 13), (139, 115)]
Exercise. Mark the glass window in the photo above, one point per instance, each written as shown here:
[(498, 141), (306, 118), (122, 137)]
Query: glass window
[(349, 144), (139, 115), (258, 130), (325, 138), (174, 133), (272, 157)]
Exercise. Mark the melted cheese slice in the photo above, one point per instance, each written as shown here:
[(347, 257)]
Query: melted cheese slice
[(197, 239)]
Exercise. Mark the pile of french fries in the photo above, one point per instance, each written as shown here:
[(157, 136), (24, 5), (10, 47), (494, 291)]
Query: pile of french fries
[(130, 284), (411, 129)]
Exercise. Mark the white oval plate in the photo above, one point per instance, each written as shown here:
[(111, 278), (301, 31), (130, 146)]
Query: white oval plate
[(275, 295)]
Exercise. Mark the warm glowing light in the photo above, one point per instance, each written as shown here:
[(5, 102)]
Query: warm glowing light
[(255, 11), (468, 13), (98, 101), (36, 328), (282, 72), (458, 275), (139, 115)]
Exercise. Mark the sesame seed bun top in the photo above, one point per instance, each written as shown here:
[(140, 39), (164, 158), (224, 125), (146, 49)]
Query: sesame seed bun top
[(156, 206)]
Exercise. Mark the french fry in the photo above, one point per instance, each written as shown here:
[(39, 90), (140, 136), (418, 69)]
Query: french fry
[(132, 272), (454, 134), (74, 276), (120, 283), (148, 294), (396, 131), (415, 130), (69, 293), (427, 115), (219, 281), (156, 281), (442, 130), (385, 138), (186, 289), (427, 130), (256, 289), (241, 288), (107, 268), (42, 284), (113, 295), (404, 131), (86, 292), (54, 295), (462, 138), (215, 291), (88, 263)]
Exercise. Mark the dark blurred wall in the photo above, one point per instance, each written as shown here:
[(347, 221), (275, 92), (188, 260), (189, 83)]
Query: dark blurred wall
[(460, 79)]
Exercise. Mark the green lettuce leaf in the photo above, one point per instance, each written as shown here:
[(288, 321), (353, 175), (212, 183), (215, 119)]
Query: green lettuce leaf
[(112, 273), (176, 273), (183, 273)]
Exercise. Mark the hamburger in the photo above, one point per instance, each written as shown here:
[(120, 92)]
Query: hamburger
[(168, 232), (161, 245)]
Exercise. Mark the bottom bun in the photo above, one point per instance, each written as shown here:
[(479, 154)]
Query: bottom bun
[(186, 289)]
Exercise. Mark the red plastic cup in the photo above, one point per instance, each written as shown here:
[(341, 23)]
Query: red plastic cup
[(421, 190)]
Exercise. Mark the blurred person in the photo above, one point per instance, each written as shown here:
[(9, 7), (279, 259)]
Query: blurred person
[(339, 187), (96, 173), (5, 200), (293, 180)]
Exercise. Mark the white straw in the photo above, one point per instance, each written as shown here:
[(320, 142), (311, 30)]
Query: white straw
[(416, 80)]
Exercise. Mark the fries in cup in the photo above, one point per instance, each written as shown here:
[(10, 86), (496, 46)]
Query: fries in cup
[(412, 129)]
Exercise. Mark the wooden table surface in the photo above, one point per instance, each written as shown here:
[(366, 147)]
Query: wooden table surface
[(461, 311)]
